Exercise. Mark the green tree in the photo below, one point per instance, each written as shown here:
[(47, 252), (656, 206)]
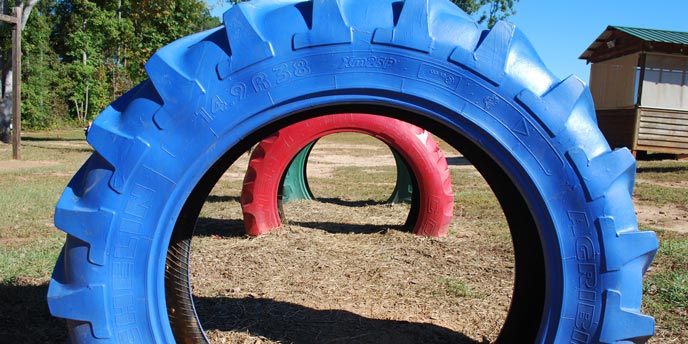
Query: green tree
[(42, 75), (487, 11), (80, 55), (85, 35), (157, 23)]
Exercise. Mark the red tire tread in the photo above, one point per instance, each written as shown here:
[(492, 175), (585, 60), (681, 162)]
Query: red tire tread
[(272, 156)]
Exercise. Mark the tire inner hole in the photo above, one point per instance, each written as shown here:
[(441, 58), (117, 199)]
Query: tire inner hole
[(352, 275)]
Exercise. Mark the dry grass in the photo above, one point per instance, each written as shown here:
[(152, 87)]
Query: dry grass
[(344, 270)]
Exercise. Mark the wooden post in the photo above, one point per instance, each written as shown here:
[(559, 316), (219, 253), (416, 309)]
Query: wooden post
[(15, 20)]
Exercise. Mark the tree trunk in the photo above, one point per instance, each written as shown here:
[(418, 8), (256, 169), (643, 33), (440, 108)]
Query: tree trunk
[(83, 120), (78, 110), (6, 107)]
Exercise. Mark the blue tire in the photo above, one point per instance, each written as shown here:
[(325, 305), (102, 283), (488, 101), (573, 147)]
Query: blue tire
[(159, 149)]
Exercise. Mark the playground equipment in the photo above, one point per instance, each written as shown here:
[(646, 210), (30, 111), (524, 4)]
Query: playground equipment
[(431, 211), (130, 210)]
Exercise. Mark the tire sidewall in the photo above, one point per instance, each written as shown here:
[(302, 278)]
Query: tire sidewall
[(415, 145), (433, 89)]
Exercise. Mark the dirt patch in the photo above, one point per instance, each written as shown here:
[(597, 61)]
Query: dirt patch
[(666, 217), (13, 165)]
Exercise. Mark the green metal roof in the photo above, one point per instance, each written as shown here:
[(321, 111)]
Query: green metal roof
[(652, 35), (618, 41)]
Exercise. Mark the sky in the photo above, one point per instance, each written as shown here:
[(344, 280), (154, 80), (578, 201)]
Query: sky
[(560, 30)]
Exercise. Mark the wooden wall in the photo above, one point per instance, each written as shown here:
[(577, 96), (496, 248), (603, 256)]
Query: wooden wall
[(662, 130)]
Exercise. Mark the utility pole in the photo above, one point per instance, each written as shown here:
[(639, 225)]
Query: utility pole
[(15, 20)]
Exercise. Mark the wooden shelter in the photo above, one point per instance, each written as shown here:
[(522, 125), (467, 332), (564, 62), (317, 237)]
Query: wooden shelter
[(639, 83)]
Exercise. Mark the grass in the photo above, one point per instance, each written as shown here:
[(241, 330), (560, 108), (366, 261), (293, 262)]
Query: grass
[(661, 195), (666, 287), (30, 243), (335, 178), (374, 185), (663, 182), (667, 171), (32, 259), (456, 287)]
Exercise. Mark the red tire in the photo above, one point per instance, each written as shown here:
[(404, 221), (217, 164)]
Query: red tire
[(272, 156)]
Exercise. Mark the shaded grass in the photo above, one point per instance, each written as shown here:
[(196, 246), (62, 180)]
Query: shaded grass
[(24, 315)]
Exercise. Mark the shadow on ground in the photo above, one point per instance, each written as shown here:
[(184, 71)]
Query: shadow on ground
[(24, 316), (458, 161), (353, 204), (291, 323), (349, 228), (232, 228), (661, 169), (221, 199), (226, 228), (50, 139), (61, 148)]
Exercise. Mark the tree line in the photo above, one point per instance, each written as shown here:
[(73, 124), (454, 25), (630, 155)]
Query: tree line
[(80, 55)]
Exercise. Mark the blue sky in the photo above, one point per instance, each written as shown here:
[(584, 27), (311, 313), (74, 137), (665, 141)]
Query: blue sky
[(560, 30)]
